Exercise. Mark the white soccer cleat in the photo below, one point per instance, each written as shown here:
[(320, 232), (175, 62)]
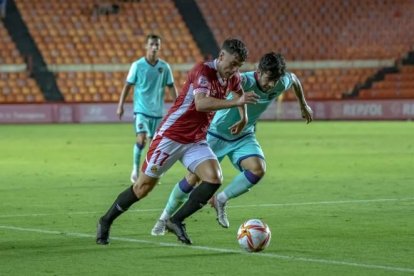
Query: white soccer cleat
[(221, 212), (134, 176), (159, 228)]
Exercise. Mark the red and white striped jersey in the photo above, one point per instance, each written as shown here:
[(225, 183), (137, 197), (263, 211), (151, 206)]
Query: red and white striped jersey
[(183, 123)]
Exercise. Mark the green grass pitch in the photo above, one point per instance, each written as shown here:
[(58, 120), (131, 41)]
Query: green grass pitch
[(338, 197)]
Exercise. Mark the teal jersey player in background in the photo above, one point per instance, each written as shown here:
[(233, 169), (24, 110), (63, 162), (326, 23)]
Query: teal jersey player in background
[(244, 151), (149, 76)]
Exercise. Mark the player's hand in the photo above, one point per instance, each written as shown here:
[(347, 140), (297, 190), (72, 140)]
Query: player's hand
[(248, 98), (120, 112), (307, 113), (237, 127)]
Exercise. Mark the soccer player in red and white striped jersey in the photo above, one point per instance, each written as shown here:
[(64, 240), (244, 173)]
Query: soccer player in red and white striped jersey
[(182, 137)]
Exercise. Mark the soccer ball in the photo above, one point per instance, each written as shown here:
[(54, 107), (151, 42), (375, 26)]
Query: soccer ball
[(254, 235)]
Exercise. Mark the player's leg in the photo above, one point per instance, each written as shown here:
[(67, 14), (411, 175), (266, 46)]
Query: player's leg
[(210, 176), (248, 157), (142, 129), (156, 163), (153, 125), (254, 169), (125, 199), (138, 148), (177, 197), (181, 190), (201, 160)]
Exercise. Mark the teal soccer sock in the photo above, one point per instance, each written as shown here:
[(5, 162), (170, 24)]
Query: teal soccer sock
[(241, 184), (178, 196), (137, 156)]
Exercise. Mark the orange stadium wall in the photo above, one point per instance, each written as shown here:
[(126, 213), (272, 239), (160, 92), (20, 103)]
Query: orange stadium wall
[(106, 113)]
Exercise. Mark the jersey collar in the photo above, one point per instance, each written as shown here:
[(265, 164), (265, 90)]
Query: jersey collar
[(149, 63)]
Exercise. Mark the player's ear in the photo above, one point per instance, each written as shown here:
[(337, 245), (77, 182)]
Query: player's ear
[(221, 55)]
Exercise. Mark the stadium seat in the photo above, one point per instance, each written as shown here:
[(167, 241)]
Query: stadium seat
[(19, 88), (84, 31), (9, 53), (374, 32), (394, 86)]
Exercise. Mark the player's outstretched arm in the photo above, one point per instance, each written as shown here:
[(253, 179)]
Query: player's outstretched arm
[(307, 112), (124, 95), (204, 103), (173, 92)]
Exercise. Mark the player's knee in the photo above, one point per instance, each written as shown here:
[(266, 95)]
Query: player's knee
[(217, 180), (254, 177), (258, 169), (192, 179), (213, 178), (209, 171), (143, 188), (140, 145), (141, 140)]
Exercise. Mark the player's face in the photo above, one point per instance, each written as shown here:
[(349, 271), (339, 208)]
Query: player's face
[(265, 82), (153, 46), (228, 64)]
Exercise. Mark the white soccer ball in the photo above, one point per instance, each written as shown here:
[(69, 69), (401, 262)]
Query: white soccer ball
[(254, 235)]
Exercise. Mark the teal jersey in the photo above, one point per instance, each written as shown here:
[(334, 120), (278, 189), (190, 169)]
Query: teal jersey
[(225, 118), (149, 86)]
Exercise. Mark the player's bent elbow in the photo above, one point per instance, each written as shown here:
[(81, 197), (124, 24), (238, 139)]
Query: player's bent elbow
[(201, 108)]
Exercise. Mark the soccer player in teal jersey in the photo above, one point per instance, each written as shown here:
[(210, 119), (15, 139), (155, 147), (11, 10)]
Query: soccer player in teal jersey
[(150, 76), (243, 150)]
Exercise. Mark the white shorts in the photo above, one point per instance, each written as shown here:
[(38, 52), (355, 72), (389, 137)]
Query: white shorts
[(164, 152)]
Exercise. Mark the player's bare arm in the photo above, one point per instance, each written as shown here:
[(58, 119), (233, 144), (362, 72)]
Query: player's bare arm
[(307, 112), (237, 127), (124, 95), (204, 103), (173, 92)]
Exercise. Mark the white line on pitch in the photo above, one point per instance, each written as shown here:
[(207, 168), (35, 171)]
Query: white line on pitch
[(356, 201), (207, 248)]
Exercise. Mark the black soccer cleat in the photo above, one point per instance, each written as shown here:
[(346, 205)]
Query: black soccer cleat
[(178, 228), (102, 232)]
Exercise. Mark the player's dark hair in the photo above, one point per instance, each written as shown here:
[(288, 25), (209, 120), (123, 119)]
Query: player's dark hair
[(235, 46), (274, 64), (153, 36)]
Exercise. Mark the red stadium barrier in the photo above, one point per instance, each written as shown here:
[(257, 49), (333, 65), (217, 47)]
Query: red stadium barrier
[(106, 113)]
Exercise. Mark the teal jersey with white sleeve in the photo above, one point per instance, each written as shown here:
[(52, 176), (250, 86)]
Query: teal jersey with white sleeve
[(225, 118), (149, 86)]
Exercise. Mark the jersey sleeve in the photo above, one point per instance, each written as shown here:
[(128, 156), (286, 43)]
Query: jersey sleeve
[(200, 80), (132, 74), (246, 82), (286, 81), (169, 75)]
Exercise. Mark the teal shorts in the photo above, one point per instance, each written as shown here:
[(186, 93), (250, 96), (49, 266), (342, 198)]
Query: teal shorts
[(146, 124), (238, 150)]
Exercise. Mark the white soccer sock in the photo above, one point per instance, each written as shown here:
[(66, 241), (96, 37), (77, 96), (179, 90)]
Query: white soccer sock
[(164, 215), (222, 197)]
